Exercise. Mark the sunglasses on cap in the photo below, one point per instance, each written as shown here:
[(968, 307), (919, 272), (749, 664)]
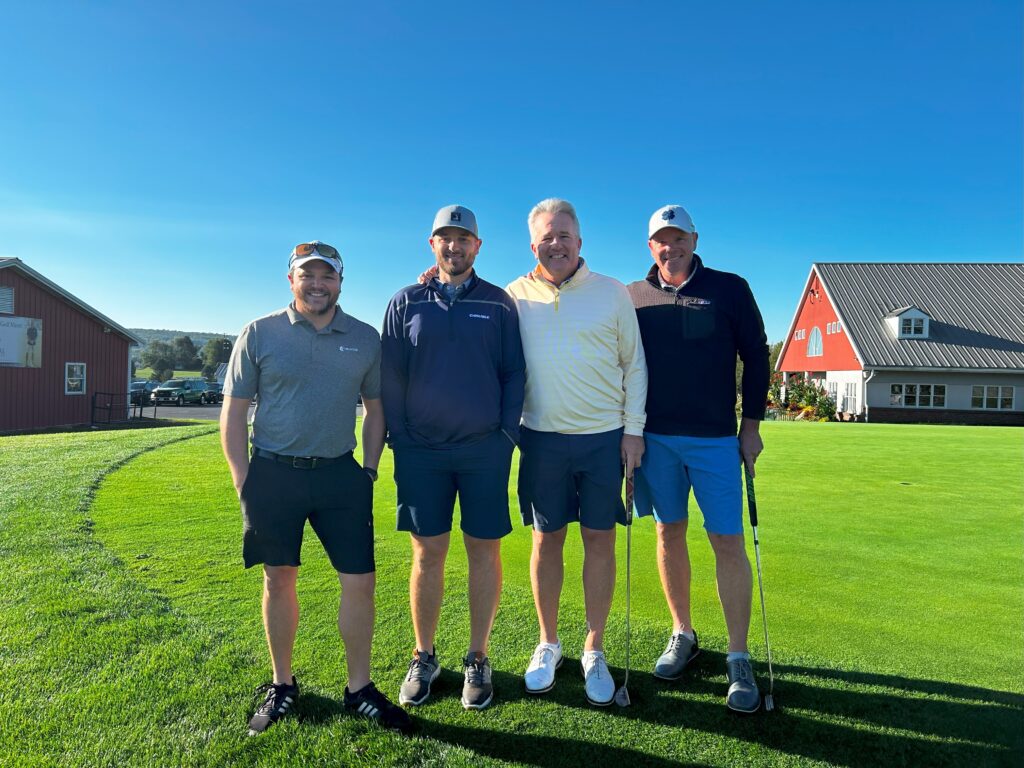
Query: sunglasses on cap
[(307, 249)]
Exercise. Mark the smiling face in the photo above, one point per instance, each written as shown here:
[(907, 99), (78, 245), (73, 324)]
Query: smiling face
[(455, 250), (316, 287), (556, 243), (672, 250)]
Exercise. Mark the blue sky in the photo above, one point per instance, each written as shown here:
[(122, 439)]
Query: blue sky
[(159, 160)]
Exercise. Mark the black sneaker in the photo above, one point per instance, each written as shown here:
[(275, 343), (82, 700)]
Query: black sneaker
[(477, 691), (280, 701), (371, 703)]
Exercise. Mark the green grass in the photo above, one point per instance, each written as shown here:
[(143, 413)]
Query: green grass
[(131, 635), (146, 373)]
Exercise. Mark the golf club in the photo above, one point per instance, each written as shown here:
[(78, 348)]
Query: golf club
[(769, 698), (622, 694)]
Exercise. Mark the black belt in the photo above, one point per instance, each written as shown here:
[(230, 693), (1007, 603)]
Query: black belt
[(301, 462)]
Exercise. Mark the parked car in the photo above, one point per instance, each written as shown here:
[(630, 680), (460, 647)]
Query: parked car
[(180, 391), (214, 393), (139, 392)]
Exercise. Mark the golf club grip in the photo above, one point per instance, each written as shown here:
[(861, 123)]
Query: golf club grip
[(629, 499), (751, 498)]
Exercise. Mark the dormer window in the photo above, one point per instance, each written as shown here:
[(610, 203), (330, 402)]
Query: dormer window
[(912, 326), (908, 323)]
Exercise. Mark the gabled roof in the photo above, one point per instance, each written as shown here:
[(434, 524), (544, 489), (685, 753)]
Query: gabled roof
[(976, 313), (908, 308), (19, 266)]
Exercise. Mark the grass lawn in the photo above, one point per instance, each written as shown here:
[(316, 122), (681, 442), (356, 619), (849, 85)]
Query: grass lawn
[(131, 635), (146, 373)]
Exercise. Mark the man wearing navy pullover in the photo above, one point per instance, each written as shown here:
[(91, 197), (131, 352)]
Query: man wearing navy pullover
[(453, 379), (693, 322)]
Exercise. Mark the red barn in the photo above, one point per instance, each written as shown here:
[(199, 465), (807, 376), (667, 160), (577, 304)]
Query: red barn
[(56, 352), (939, 343)]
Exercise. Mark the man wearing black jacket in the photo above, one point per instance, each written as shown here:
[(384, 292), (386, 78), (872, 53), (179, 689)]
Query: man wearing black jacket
[(693, 322), (453, 379)]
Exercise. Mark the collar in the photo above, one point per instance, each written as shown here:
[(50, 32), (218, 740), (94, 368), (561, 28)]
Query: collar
[(654, 276), (340, 322), (581, 274), (457, 291)]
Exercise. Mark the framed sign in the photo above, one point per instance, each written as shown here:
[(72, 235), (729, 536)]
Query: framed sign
[(21, 342)]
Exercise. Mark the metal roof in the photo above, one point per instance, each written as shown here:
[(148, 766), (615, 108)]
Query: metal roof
[(976, 313), (22, 267)]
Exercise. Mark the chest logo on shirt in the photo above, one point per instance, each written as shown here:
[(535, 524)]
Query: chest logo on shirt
[(343, 348), (480, 317), (694, 301)]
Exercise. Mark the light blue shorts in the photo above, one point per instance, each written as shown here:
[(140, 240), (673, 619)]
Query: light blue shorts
[(673, 464)]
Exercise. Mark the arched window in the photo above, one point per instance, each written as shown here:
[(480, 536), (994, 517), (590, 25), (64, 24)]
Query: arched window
[(814, 344)]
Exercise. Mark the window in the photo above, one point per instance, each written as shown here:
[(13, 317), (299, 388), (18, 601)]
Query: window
[(917, 395), (74, 378), (850, 398), (6, 300), (814, 345), (912, 326), (1000, 398), (799, 335)]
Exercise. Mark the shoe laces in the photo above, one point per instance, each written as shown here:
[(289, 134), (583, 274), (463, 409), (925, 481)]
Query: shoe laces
[(275, 693), (742, 671), (475, 670), (597, 666), (418, 667), (541, 655)]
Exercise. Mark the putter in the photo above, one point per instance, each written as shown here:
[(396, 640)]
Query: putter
[(622, 694), (769, 698)]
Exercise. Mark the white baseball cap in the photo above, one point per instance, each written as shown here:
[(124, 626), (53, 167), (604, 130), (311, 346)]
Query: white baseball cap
[(674, 216)]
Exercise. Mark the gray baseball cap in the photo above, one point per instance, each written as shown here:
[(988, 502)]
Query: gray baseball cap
[(455, 216), (303, 253), (674, 216)]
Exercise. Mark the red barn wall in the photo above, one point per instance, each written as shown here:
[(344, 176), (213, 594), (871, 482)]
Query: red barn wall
[(33, 398), (837, 352)]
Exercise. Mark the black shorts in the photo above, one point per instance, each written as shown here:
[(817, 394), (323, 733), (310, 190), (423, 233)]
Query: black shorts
[(570, 478), (337, 499)]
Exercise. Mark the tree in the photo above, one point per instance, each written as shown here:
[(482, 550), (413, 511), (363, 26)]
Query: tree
[(160, 356), (185, 356), (216, 351)]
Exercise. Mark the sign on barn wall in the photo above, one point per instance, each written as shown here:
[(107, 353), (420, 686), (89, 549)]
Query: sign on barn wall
[(21, 342)]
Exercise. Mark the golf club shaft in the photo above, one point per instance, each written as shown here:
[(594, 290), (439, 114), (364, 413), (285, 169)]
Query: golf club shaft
[(752, 510)]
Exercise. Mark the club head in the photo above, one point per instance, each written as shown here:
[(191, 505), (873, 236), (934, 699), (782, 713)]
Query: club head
[(769, 702), (622, 697)]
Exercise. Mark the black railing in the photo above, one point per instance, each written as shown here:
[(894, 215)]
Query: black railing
[(109, 408)]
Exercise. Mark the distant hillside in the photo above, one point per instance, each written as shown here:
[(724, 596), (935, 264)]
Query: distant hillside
[(199, 338)]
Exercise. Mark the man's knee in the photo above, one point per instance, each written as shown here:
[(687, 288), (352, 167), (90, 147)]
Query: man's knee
[(279, 579), (728, 546), (671, 534), (547, 543), (597, 542), (482, 552), (358, 585), (429, 552)]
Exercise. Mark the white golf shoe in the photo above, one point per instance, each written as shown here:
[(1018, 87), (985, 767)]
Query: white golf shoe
[(540, 675), (598, 681)]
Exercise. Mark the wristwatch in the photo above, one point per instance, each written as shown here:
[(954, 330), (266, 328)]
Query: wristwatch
[(371, 472)]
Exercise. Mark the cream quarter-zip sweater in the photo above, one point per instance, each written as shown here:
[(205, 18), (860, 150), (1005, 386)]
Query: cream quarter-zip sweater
[(585, 367)]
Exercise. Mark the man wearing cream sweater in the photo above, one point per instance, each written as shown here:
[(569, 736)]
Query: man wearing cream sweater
[(583, 422)]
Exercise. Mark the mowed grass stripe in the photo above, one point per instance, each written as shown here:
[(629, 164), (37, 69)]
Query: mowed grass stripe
[(189, 631)]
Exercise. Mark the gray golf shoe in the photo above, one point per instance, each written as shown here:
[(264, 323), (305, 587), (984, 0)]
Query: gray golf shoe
[(743, 695), (477, 690), (681, 651), (423, 670)]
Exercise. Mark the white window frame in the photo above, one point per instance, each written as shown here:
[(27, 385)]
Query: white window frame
[(815, 347), (992, 396), (901, 394), (68, 378), (913, 327)]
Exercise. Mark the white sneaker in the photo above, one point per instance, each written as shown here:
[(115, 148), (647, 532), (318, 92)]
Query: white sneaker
[(540, 675), (599, 685)]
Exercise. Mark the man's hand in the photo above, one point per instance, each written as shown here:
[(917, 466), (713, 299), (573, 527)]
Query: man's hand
[(750, 442), (632, 450), (426, 277)]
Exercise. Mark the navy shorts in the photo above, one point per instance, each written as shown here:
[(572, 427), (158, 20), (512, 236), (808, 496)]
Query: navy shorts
[(337, 499), (429, 479), (571, 478)]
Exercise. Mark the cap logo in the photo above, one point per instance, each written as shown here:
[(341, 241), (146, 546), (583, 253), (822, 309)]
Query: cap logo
[(456, 216), (668, 215)]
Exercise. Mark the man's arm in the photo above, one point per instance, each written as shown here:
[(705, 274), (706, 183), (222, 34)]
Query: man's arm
[(393, 373), (513, 374), (234, 438), (634, 383), (752, 346), (373, 433)]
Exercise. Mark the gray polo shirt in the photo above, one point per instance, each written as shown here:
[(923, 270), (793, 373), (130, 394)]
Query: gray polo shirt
[(307, 380)]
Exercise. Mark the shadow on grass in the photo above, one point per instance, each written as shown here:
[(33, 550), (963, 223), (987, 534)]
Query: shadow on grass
[(842, 718)]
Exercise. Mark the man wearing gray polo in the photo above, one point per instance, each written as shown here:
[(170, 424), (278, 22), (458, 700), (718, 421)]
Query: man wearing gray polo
[(308, 364)]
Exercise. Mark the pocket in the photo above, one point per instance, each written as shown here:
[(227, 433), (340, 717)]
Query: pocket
[(699, 321)]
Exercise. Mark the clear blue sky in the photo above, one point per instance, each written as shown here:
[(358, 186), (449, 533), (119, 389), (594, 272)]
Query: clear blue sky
[(159, 160)]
